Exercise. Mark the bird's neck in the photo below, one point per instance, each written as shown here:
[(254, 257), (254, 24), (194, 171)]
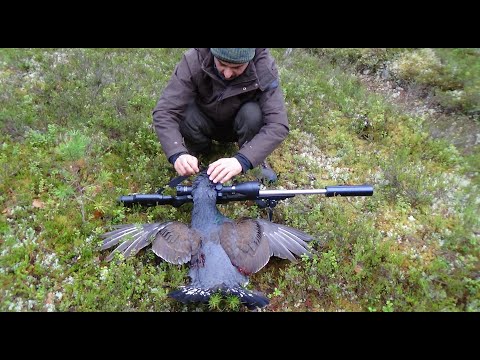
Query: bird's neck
[(204, 213)]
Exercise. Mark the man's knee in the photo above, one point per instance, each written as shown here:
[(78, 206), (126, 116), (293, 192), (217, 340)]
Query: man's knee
[(249, 118), (192, 123), (195, 129), (250, 113), (195, 125)]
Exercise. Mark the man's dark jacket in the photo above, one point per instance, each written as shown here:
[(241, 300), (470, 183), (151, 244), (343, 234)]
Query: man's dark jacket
[(196, 79)]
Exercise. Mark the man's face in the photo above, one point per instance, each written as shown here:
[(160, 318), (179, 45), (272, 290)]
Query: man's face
[(229, 71)]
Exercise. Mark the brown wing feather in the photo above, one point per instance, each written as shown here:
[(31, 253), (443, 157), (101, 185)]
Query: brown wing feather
[(244, 244), (176, 243)]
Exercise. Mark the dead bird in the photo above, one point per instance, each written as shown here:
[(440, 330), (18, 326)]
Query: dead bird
[(222, 252)]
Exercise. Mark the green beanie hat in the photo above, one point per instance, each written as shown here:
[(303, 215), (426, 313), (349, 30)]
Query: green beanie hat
[(234, 55)]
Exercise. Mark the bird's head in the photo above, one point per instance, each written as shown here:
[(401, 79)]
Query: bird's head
[(203, 187)]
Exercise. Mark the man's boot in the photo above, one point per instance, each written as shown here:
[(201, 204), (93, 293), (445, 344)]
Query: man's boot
[(268, 175)]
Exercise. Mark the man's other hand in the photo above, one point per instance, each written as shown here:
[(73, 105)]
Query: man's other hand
[(186, 164), (224, 169)]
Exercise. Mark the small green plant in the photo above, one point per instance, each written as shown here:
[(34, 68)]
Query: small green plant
[(233, 302), (74, 146), (215, 301), (63, 191), (388, 307), (276, 293)]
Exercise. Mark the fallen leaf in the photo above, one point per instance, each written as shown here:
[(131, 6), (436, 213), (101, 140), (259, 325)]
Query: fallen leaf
[(358, 269), (49, 298), (80, 163), (97, 214), (308, 303), (38, 203)]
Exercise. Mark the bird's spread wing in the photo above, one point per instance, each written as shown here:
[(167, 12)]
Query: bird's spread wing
[(244, 244), (132, 238), (173, 241), (176, 242), (249, 243), (284, 241)]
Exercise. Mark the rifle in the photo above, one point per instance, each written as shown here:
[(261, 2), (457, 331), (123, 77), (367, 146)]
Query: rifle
[(249, 190)]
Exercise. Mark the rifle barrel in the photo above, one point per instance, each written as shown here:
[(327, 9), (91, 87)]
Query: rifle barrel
[(292, 192), (339, 190)]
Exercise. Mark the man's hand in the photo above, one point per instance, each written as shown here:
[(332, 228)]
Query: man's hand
[(186, 164), (224, 169)]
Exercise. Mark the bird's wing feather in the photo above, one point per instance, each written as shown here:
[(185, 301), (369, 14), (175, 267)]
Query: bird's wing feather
[(244, 244), (134, 237), (284, 241), (176, 242), (173, 241)]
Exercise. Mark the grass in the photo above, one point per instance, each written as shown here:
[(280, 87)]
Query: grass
[(451, 77), (78, 134)]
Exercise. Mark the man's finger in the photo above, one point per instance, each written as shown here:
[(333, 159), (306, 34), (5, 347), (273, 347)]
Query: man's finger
[(220, 177), (212, 167), (227, 177), (193, 163), (216, 170)]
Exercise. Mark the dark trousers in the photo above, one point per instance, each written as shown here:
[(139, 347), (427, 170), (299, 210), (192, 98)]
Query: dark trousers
[(198, 130)]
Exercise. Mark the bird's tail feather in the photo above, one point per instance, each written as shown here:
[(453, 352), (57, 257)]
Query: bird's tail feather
[(188, 294)]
